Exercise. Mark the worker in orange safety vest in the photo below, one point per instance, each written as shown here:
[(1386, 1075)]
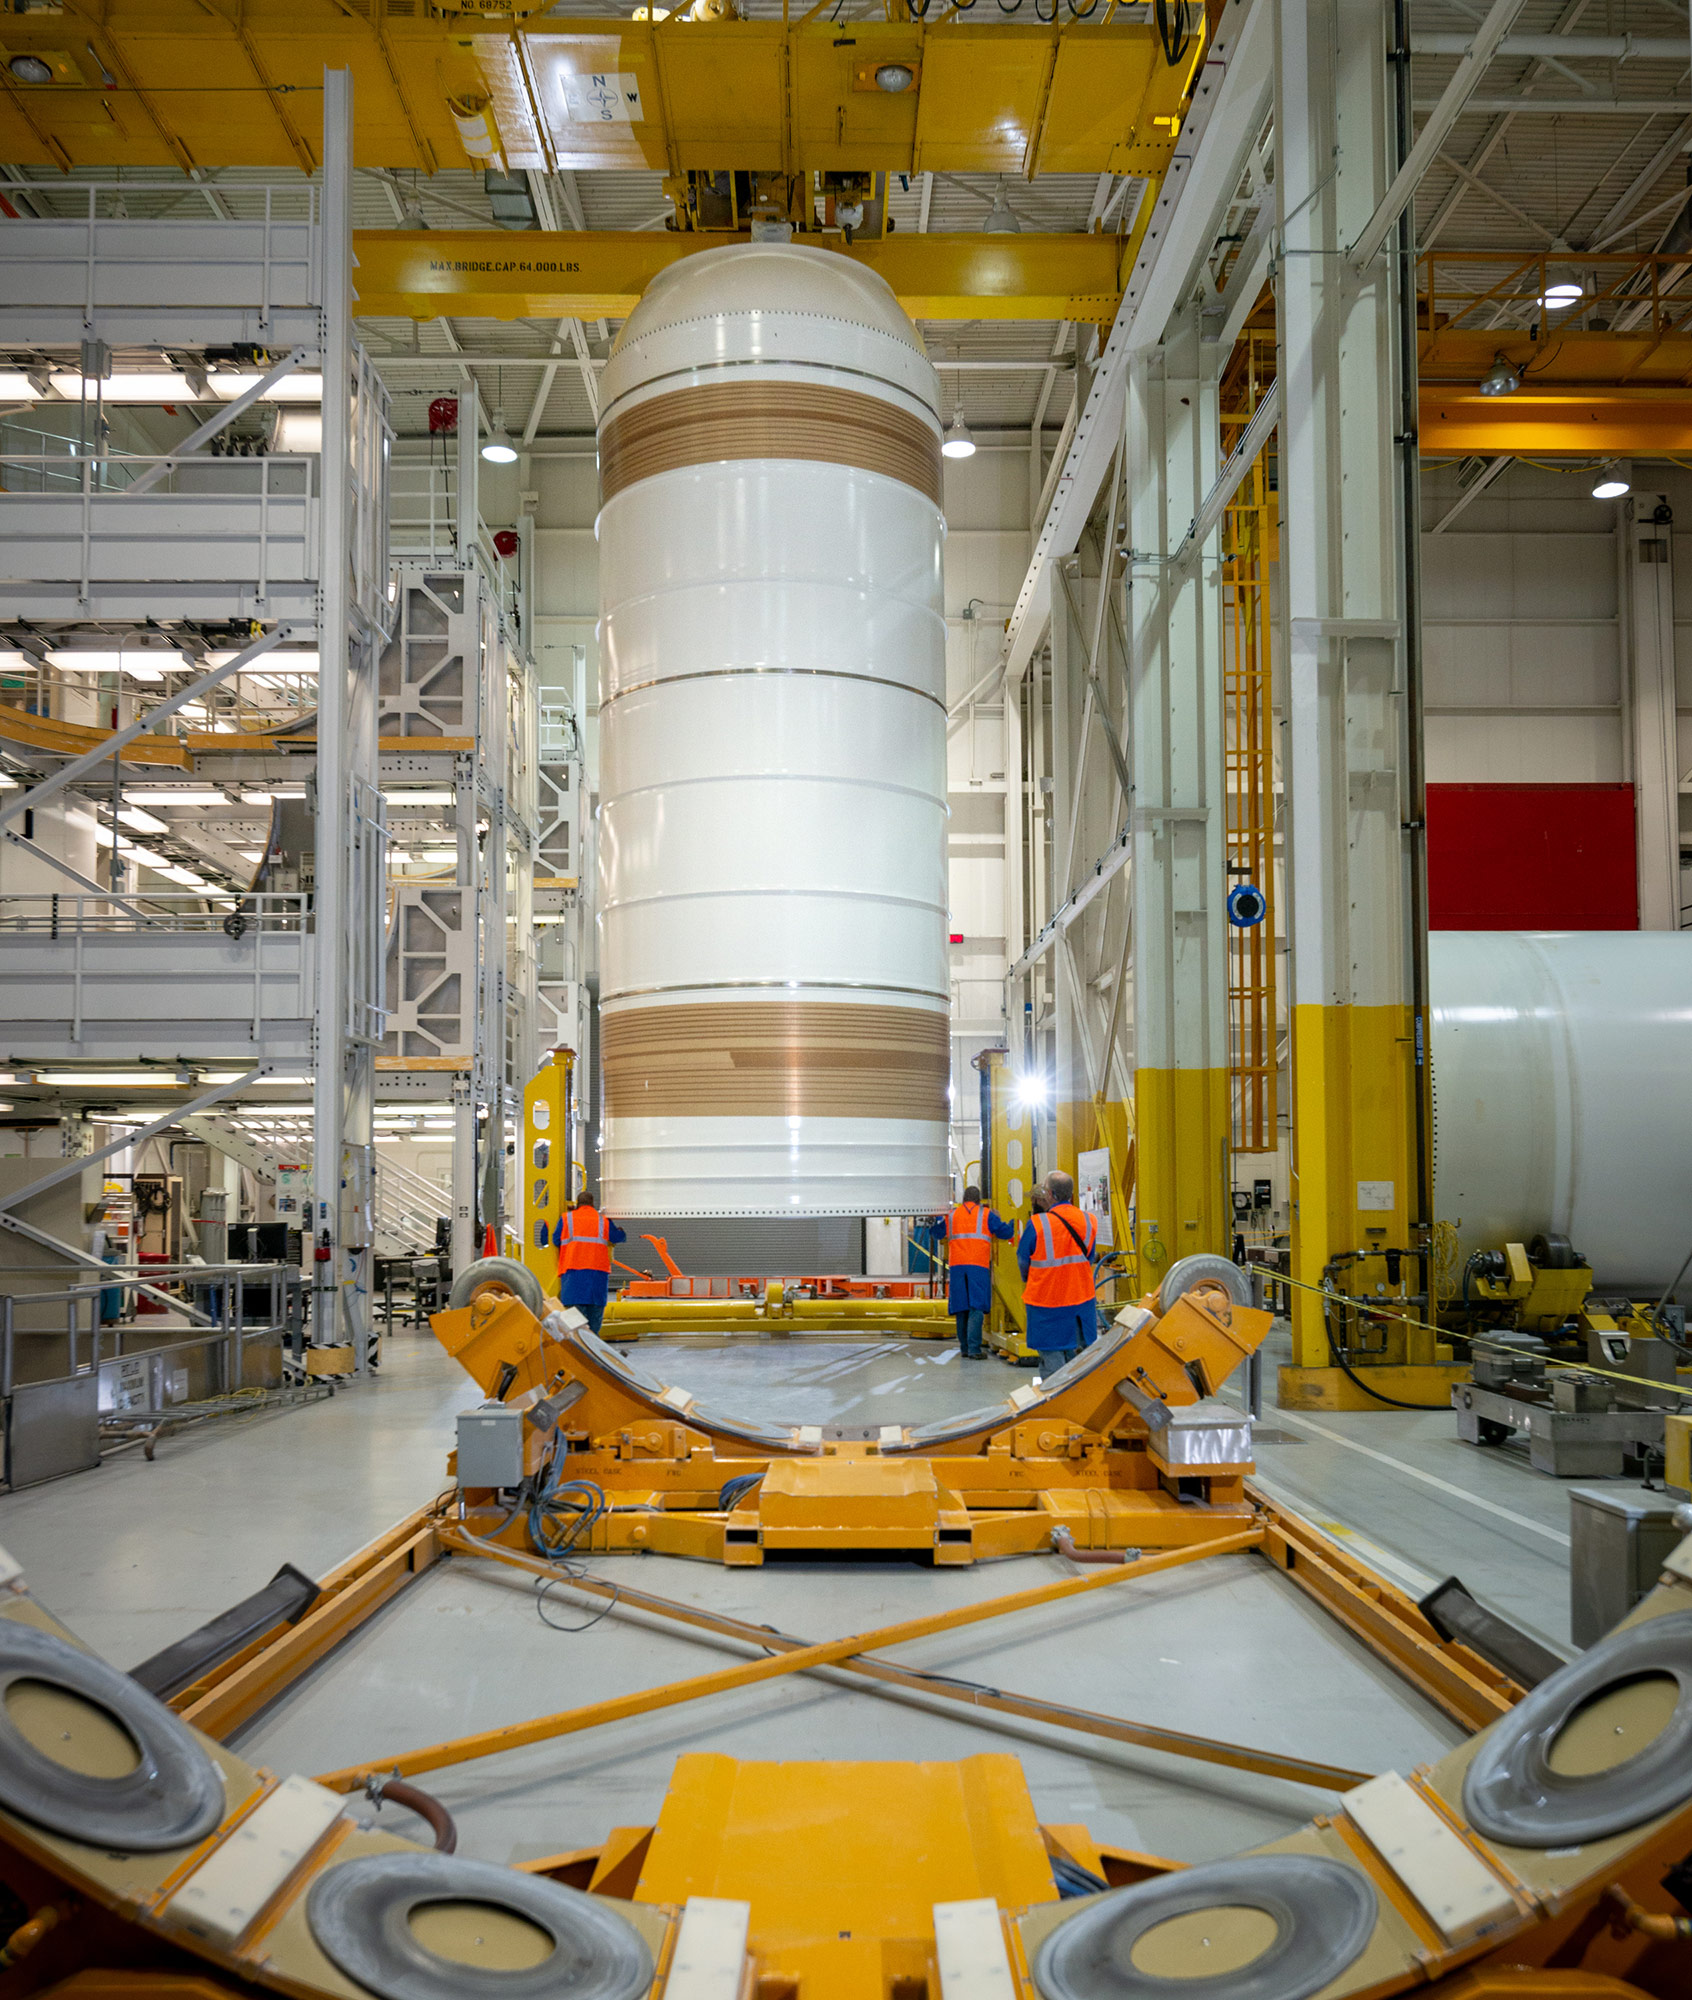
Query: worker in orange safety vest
[(970, 1229), (583, 1239), (1059, 1289)]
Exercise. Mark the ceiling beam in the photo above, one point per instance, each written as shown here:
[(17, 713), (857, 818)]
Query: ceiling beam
[(1431, 138), (1496, 134), (1180, 221), (1569, 48), (1570, 107), (534, 274)]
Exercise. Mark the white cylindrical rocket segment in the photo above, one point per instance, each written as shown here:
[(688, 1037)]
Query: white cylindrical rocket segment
[(773, 954), (1562, 1070)]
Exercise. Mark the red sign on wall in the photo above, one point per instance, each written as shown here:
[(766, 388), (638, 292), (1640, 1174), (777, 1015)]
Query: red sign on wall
[(1532, 858)]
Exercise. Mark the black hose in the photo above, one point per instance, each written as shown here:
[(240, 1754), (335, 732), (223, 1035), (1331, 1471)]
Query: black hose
[(1174, 48), (1070, 1877), (736, 1489), (1346, 1369)]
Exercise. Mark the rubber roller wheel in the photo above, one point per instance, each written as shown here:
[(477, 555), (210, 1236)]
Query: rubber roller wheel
[(1513, 1793), (1320, 1915), (172, 1797), (1206, 1268), (496, 1277), (1553, 1253), (361, 1915)]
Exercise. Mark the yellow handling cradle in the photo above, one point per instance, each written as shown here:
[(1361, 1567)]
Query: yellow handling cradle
[(1125, 1447), (833, 1881)]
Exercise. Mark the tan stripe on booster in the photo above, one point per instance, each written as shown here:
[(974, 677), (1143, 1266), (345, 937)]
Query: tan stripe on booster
[(740, 420), (776, 1059)]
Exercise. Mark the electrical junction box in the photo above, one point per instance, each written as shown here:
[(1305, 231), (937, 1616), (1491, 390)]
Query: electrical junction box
[(490, 1446)]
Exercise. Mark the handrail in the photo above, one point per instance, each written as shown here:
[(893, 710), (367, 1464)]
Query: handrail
[(44, 913), (1641, 283)]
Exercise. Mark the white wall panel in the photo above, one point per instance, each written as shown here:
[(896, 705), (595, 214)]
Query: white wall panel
[(1524, 749)]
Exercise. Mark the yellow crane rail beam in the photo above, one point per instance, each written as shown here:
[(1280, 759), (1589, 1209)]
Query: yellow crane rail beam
[(601, 273), (166, 83), (1594, 420), (1638, 359)]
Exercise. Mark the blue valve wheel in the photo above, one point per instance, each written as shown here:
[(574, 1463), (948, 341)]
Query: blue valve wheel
[(1247, 906)]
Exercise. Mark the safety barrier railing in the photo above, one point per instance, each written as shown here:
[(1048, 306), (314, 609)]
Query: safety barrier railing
[(1551, 292), (86, 1348), (100, 255), (108, 474), (155, 913)]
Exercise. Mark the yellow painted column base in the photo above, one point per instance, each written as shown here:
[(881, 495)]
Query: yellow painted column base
[(1183, 1130), (1677, 1453), (1428, 1386), (1352, 1163)]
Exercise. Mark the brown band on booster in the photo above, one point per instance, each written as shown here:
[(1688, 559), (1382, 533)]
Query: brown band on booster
[(742, 420), (776, 1059)]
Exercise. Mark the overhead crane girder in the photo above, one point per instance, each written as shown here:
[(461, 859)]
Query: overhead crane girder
[(171, 83), (496, 274)]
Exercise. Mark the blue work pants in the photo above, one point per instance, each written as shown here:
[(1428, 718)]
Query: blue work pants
[(969, 1326)]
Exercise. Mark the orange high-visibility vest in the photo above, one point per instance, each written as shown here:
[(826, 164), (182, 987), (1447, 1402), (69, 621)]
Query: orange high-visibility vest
[(587, 1241), (1060, 1272), (967, 1237)]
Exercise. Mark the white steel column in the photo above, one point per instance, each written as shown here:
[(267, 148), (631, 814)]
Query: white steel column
[(465, 1248), (1179, 886), (331, 1272), (1649, 545), (1016, 934), (1351, 709), (1069, 669), (467, 500)]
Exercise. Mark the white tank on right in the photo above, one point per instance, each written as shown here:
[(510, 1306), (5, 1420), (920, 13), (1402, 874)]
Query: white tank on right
[(1562, 1065)]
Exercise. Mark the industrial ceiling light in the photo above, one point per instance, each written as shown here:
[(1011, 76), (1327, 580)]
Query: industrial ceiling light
[(1031, 1091), (1612, 481), (1001, 218), (499, 450), (411, 213), (894, 77), (958, 443), (1562, 294), (30, 69), (1501, 379)]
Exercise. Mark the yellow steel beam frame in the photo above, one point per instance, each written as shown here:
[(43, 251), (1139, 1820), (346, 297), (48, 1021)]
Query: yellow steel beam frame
[(1561, 420), (832, 1652), (1468, 1688), (499, 274), (1471, 1691), (235, 1691), (199, 86), (1176, 1743)]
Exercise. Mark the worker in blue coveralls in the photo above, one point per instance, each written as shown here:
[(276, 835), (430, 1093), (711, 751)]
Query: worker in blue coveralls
[(970, 1229), (1059, 1289), (583, 1240)]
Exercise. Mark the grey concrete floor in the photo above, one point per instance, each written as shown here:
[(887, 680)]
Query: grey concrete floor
[(136, 1554)]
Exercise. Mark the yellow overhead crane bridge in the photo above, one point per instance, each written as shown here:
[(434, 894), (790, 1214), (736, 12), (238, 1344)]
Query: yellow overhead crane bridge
[(190, 85)]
